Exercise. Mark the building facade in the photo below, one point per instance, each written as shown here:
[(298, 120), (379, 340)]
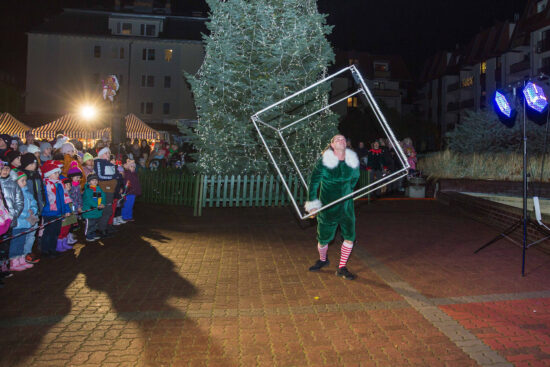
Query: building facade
[(70, 55)]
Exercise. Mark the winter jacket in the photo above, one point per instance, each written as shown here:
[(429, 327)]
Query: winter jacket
[(132, 181), (376, 160), (90, 200), (67, 159), (30, 204), (61, 207), (76, 196), (36, 188), (14, 198)]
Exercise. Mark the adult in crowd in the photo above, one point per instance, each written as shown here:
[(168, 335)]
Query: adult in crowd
[(145, 148), (5, 141), (108, 180), (334, 176), (29, 139)]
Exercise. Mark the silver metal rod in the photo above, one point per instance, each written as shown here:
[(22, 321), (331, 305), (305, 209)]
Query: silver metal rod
[(321, 110), (358, 191), (302, 91), (293, 161), (276, 166), (266, 124)]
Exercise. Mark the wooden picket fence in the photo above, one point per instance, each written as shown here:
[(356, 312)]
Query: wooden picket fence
[(177, 187)]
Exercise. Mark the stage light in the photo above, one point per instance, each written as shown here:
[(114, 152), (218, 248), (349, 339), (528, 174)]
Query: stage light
[(504, 104), (535, 97)]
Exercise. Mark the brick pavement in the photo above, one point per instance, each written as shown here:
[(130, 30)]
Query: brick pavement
[(231, 288)]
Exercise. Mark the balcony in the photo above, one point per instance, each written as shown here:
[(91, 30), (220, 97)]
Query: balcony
[(520, 66), (543, 45)]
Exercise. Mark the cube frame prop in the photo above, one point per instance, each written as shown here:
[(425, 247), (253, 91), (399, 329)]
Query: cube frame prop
[(363, 91)]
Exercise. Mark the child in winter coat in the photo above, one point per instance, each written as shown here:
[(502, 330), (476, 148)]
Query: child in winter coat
[(22, 245), (133, 189), (75, 175), (67, 222), (93, 197), (14, 202), (55, 206)]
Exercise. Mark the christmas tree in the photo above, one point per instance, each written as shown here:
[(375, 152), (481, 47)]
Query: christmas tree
[(257, 53)]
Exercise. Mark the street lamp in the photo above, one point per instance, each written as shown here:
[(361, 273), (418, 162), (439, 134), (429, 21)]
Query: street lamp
[(88, 112)]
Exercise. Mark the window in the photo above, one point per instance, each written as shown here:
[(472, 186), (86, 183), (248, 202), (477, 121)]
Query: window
[(97, 51), (146, 108), (352, 102), (467, 82), (147, 30), (381, 66), (126, 28), (167, 81), (483, 67), (121, 53), (166, 108), (148, 81), (148, 54), (168, 55), (379, 85)]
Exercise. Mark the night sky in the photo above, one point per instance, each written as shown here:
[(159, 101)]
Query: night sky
[(414, 29)]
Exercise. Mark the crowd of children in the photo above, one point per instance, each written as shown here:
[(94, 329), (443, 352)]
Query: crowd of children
[(50, 190)]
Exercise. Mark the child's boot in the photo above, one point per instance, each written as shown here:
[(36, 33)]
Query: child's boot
[(15, 266), (22, 262), (59, 247), (71, 240)]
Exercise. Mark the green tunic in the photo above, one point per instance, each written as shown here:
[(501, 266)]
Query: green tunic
[(330, 180)]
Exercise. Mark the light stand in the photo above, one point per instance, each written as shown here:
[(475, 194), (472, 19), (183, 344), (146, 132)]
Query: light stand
[(525, 220)]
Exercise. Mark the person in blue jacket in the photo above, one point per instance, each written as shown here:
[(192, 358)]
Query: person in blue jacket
[(54, 207)]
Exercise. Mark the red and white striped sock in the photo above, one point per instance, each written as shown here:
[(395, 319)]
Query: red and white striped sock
[(345, 252), (322, 252)]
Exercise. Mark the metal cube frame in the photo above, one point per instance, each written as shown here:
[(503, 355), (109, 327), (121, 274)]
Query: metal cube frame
[(363, 91)]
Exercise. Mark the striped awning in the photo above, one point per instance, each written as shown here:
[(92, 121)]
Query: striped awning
[(135, 129), (70, 125), (12, 126)]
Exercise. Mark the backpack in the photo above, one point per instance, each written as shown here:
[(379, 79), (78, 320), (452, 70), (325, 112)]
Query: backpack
[(5, 220)]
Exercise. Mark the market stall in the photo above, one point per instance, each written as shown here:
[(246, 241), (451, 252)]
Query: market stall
[(69, 125), (12, 126)]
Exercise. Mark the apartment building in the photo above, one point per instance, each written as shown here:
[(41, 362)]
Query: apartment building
[(70, 54)]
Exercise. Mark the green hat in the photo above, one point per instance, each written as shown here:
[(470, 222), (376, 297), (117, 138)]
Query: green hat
[(87, 157)]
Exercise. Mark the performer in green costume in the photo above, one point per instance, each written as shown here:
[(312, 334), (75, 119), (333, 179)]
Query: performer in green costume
[(334, 176)]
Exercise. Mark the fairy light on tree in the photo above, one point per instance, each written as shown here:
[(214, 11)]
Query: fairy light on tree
[(257, 53)]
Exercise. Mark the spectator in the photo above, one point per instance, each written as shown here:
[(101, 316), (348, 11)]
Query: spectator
[(376, 165), (14, 144), (29, 164), (5, 141), (14, 159), (29, 139), (108, 181), (54, 207), (145, 148), (22, 245), (70, 156), (33, 149), (45, 152), (93, 198), (133, 189), (87, 165)]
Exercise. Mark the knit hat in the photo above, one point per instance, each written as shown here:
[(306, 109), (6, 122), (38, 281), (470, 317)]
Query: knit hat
[(12, 155), (87, 157), (31, 148), (49, 168), (66, 180), (74, 170), (19, 174), (6, 138), (28, 158), (103, 151), (23, 148), (67, 148), (44, 145), (92, 176)]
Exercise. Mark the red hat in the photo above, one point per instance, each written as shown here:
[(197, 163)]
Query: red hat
[(19, 174), (49, 168)]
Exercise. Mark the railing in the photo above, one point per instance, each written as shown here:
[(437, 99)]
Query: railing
[(520, 66), (176, 187)]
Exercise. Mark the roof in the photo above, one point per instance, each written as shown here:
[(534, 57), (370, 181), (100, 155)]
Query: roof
[(530, 21), (96, 23), (11, 126)]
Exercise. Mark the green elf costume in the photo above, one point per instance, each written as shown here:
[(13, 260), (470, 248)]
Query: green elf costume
[(330, 180)]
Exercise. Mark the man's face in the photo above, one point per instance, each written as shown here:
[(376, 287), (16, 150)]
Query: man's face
[(338, 142), (361, 144), (106, 156), (375, 145)]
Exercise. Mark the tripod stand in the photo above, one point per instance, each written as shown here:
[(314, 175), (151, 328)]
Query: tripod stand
[(524, 221)]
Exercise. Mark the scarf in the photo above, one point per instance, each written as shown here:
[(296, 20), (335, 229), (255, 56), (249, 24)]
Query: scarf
[(51, 191)]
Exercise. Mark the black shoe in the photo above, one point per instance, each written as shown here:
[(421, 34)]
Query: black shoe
[(5, 274), (318, 265), (344, 273), (53, 254)]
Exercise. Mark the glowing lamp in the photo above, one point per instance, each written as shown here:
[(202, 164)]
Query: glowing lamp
[(88, 112), (502, 104), (535, 97)]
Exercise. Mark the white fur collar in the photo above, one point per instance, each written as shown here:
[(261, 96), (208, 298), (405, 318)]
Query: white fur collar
[(331, 161)]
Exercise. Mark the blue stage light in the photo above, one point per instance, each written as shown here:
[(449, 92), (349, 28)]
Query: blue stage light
[(535, 97), (503, 104)]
